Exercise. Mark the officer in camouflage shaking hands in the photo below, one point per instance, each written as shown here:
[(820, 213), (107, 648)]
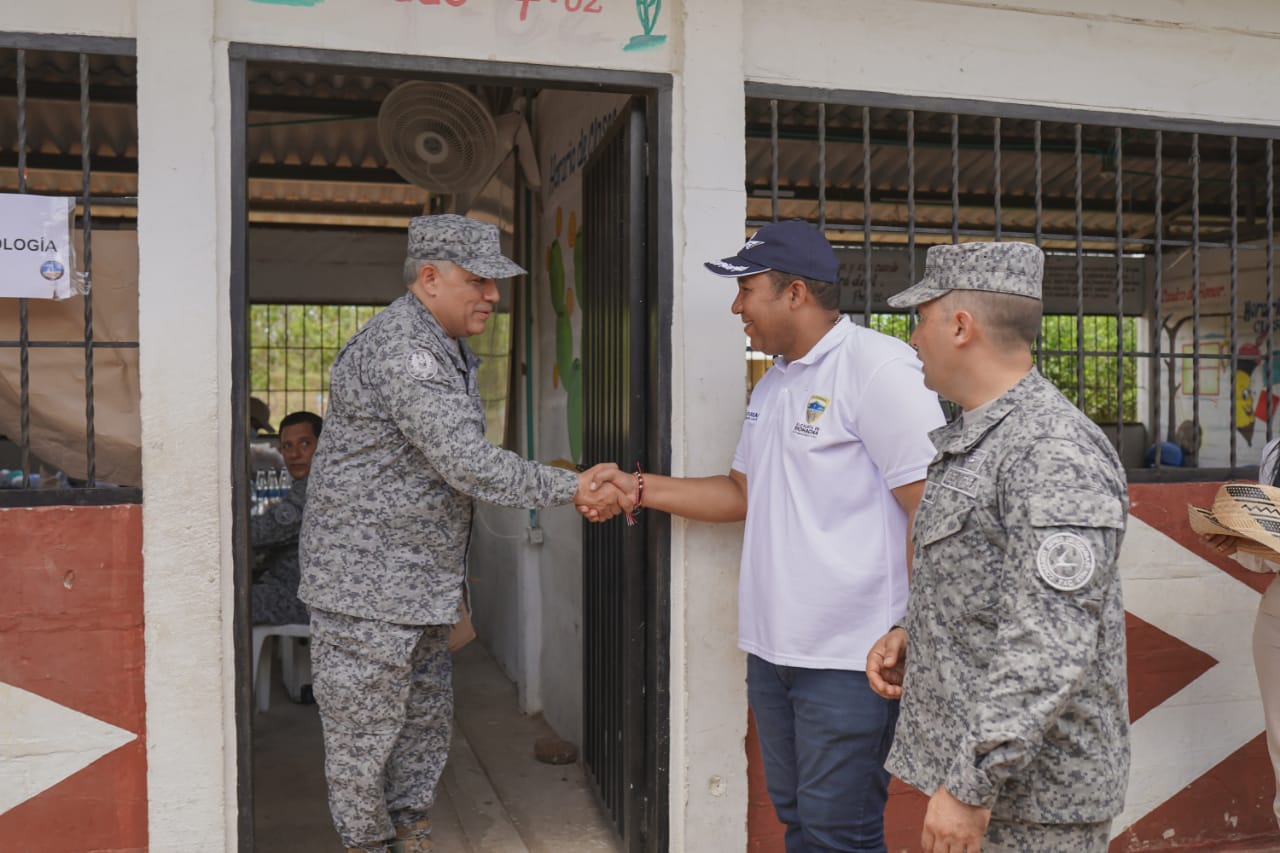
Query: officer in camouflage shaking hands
[(385, 531), (1011, 659)]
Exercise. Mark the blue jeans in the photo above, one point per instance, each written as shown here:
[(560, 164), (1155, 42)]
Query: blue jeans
[(824, 736)]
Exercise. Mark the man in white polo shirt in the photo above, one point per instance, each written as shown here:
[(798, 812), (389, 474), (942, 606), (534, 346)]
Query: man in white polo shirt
[(828, 472)]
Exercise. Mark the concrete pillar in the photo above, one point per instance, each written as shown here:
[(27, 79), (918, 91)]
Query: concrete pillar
[(184, 379), (708, 690)]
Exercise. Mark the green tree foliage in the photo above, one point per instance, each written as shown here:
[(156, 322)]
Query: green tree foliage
[(1061, 364), (1059, 354), (293, 347)]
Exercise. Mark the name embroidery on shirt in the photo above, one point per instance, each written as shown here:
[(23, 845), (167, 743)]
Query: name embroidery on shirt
[(965, 477), (752, 417)]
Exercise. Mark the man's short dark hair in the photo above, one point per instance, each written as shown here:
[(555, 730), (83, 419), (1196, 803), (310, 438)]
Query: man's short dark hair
[(1009, 320), (826, 294), (312, 418)]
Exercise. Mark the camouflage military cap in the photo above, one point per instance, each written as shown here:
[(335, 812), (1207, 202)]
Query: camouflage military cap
[(469, 243), (1014, 268)]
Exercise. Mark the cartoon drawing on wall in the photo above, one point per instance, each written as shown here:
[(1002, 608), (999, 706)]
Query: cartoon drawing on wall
[(1256, 400), (647, 11), (1247, 358), (1239, 392), (567, 371)]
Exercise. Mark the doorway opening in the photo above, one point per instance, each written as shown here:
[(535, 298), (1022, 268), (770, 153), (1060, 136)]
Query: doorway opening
[(333, 153)]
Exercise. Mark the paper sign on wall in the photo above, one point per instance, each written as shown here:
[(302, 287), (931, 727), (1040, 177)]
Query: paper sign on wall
[(35, 246)]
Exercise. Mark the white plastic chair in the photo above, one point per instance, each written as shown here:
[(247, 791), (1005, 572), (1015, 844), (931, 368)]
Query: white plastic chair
[(295, 660)]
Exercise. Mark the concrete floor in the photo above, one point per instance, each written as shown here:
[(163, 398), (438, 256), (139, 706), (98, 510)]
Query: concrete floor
[(494, 795)]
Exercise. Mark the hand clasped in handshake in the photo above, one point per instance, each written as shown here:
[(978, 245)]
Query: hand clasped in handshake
[(605, 491)]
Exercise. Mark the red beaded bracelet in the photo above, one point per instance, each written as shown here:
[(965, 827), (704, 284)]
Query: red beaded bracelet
[(631, 516)]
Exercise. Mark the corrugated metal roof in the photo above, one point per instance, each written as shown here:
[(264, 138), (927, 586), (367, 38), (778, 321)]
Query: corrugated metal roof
[(918, 159)]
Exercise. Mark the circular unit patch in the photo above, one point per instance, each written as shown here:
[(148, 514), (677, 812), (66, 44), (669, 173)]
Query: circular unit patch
[(421, 365), (286, 512), (1065, 561)]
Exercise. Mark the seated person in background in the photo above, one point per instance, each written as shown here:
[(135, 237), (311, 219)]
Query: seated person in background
[(274, 534)]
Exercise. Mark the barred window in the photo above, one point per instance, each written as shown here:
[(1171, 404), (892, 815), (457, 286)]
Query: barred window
[(1160, 303), (292, 349), (70, 429)]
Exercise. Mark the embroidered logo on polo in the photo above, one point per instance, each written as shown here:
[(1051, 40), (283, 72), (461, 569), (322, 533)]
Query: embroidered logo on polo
[(1065, 561), (815, 409)]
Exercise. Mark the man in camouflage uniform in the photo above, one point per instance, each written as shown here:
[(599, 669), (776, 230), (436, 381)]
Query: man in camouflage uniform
[(384, 537), (1014, 713), (274, 534)]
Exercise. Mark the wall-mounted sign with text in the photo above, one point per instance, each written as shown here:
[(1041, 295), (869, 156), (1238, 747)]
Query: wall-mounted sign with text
[(890, 274), (35, 246)]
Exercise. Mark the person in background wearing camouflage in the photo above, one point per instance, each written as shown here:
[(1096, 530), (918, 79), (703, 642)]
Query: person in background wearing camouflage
[(388, 517), (274, 534), (1011, 660)]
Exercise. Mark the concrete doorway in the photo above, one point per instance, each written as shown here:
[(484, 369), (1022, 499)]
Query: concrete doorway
[(317, 246)]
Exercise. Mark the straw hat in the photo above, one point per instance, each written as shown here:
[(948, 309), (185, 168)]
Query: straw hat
[(1246, 510)]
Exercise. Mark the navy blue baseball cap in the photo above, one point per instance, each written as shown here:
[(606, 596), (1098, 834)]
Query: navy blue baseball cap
[(793, 246)]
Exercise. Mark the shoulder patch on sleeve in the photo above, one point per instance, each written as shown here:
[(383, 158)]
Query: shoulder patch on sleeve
[(286, 513), (1065, 561), (421, 365)]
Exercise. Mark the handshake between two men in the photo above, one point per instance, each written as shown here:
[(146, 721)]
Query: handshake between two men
[(605, 491)]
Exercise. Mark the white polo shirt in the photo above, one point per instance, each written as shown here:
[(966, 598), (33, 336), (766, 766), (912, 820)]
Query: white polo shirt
[(825, 440)]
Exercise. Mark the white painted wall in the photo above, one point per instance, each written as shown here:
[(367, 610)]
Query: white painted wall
[(1157, 57), (109, 18), (479, 29), (506, 593)]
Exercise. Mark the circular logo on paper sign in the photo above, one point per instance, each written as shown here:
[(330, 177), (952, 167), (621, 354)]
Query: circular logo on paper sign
[(52, 270), (1065, 561), (422, 365)]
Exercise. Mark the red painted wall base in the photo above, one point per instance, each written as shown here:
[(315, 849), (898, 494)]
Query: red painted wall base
[(71, 632)]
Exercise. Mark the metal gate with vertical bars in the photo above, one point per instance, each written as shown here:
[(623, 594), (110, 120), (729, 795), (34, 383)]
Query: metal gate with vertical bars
[(615, 366)]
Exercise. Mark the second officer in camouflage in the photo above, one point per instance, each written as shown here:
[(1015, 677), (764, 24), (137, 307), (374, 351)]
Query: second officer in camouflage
[(1014, 714), (273, 535), (385, 533)]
